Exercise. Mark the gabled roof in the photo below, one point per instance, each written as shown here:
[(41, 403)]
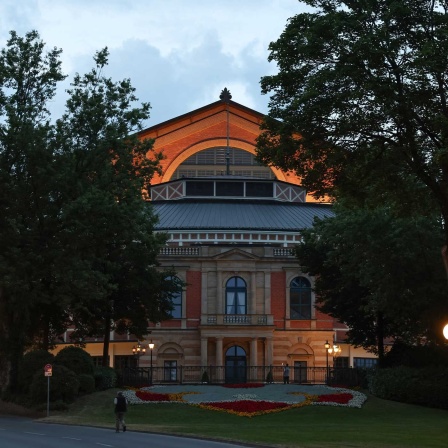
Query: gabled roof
[(218, 124), (198, 114)]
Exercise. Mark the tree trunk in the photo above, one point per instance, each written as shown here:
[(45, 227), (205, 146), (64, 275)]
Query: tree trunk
[(445, 258), (106, 341), (380, 338)]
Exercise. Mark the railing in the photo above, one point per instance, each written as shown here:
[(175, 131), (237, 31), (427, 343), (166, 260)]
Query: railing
[(193, 251), (237, 319), (284, 252), (250, 374)]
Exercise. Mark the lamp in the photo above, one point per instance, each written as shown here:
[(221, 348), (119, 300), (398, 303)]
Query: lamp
[(327, 348), (335, 350), (138, 350), (151, 348), (445, 331)]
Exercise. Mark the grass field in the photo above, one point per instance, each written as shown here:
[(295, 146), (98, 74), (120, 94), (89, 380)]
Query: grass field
[(379, 423)]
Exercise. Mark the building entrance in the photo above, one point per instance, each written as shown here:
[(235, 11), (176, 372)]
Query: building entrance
[(300, 372), (235, 365)]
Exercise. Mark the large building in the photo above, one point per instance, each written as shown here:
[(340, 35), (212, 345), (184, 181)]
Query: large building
[(232, 225)]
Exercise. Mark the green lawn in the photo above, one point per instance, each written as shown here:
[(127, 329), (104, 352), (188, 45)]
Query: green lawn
[(379, 423)]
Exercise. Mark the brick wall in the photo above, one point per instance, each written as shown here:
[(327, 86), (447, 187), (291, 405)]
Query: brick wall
[(193, 298), (278, 298)]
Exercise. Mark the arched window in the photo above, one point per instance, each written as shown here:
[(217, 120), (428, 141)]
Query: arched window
[(236, 351), (236, 296), (176, 301), (212, 162), (236, 365), (300, 298)]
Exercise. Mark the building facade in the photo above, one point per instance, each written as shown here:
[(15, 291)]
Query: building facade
[(232, 225)]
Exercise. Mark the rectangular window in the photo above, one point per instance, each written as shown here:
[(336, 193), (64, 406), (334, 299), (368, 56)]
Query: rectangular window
[(259, 189), (300, 304), (123, 361), (170, 371), (231, 309), (236, 302), (176, 312), (98, 361), (198, 188), (341, 362), (229, 189), (365, 363)]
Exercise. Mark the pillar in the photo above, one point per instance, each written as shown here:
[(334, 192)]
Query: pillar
[(219, 357), (269, 351), (253, 293), (204, 346), (220, 308), (253, 352), (204, 285)]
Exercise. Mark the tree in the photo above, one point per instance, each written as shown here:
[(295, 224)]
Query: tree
[(77, 240), (378, 273), (108, 172), (29, 255), (360, 83)]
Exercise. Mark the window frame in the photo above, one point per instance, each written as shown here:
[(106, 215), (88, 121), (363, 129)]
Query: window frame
[(303, 294), (366, 363), (177, 297), (235, 293)]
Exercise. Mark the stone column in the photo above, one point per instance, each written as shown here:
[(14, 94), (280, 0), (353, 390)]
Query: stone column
[(267, 292), (288, 300), (269, 351), (219, 306), (204, 357), (219, 354), (204, 307), (253, 352), (253, 293)]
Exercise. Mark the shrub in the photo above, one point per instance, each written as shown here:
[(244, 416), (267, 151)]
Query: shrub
[(86, 383), (420, 356), (205, 378), (64, 386), (76, 359), (54, 406), (427, 387), (105, 378), (31, 363)]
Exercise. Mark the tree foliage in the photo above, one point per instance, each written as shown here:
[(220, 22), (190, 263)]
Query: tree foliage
[(378, 273), (77, 240), (361, 84), (29, 254), (359, 111)]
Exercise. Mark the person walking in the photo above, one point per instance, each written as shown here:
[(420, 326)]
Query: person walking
[(121, 406), (286, 374)]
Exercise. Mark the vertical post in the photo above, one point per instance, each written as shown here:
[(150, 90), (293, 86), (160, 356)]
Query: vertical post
[(228, 147), (48, 396), (150, 379), (327, 347), (226, 97), (48, 371), (151, 348)]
